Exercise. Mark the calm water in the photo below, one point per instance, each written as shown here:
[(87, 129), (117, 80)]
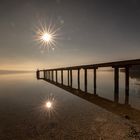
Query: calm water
[(24, 115), (105, 85)]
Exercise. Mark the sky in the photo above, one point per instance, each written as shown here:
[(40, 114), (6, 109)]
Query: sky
[(92, 31)]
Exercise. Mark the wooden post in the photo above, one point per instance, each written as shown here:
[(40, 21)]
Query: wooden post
[(62, 77), (68, 78), (116, 84), (95, 81), (116, 79), (52, 75), (127, 80), (37, 74), (85, 80), (56, 76), (78, 79)]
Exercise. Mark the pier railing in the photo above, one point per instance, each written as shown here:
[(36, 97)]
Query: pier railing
[(48, 74)]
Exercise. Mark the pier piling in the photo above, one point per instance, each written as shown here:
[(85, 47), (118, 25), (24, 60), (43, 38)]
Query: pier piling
[(62, 77), (127, 80), (71, 78), (95, 81), (78, 79), (56, 76), (68, 77), (52, 75), (85, 80)]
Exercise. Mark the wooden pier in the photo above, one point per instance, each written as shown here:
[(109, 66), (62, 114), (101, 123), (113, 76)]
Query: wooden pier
[(49, 74), (113, 106)]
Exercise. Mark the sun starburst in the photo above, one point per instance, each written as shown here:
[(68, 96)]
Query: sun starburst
[(47, 35)]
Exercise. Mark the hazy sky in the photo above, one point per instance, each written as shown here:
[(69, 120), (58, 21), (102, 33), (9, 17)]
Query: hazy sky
[(92, 31)]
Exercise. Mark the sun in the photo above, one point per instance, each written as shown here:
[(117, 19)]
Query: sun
[(46, 35)]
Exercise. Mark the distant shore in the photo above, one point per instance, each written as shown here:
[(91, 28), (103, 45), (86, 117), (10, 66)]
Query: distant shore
[(14, 71)]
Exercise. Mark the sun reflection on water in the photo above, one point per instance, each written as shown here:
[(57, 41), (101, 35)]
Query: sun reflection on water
[(48, 107), (48, 104)]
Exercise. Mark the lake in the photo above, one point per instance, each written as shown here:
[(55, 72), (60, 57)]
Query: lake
[(24, 113)]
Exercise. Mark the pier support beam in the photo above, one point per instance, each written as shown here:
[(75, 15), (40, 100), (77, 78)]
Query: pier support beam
[(116, 84), (70, 77), (95, 80), (56, 76), (52, 75), (62, 77), (37, 74), (127, 80), (116, 80), (78, 79), (85, 80)]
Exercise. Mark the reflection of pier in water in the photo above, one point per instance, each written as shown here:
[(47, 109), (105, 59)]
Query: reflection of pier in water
[(113, 106)]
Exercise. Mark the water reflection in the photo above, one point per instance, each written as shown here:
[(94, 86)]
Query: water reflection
[(48, 104), (47, 107), (135, 74), (112, 106), (127, 84), (24, 116)]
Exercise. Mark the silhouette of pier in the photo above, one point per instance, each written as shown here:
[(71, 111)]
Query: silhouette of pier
[(113, 106), (49, 73)]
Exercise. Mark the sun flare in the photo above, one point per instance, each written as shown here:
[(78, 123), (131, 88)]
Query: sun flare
[(46, 35)]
